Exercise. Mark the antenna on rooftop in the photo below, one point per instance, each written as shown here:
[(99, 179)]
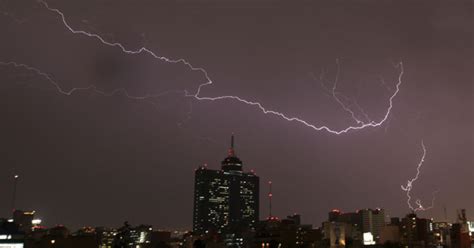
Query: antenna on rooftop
[(270, 195), (16, 177)]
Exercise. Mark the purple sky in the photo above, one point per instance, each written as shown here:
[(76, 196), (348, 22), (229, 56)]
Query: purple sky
[(86, 159)]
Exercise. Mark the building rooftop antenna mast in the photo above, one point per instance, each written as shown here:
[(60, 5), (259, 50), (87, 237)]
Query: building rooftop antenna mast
[(270, 195), (445, 214), (16, 177)]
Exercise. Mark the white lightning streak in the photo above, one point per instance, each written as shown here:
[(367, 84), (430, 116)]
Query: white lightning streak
[(360, 124), (88, 88), (334, 94), (409, 186)]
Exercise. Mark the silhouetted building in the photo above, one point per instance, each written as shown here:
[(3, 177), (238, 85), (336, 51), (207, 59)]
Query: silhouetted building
[(335, 233), (334, 215), (226, 200), (460, 236), (288, 233), (460, 232), (59, 231), (10, 235), (390, 234), (416, 232), (362, 226), (24, 220), (105, 236), (337, 215), (394, 221), (133, 237), (160, 239), (441, 234), (372, 221)]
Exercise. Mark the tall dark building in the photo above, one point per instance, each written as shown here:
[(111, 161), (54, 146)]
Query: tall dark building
[(416, 232), (225, 199)]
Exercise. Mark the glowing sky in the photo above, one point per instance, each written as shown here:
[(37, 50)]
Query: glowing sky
[(86, 159)]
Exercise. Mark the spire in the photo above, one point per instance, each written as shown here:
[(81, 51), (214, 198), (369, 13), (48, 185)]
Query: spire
[(231, 149), (231, 162)]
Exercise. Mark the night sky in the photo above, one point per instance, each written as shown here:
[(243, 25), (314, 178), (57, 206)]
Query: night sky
[(87, 159)]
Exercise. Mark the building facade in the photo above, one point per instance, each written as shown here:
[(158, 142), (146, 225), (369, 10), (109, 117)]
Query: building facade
[(372, 221), (225, 200)]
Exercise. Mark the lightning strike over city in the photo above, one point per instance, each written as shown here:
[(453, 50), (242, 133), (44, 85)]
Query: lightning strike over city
[(159, 124)]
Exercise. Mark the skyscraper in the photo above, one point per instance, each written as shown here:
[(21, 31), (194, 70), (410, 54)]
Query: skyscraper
[(372, 221), (225, 199)]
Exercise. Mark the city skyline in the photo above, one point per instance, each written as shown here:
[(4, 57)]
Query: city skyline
[(100, 157), (232, 161), (365, 227)]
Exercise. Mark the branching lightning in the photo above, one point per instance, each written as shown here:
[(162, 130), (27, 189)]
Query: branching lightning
[(337, 96), (88, 88), (409, 186), (359, 124)]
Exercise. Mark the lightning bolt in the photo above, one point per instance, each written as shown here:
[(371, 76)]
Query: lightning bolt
[(197, 95), (337, 95), (93, 88), (409, 186)]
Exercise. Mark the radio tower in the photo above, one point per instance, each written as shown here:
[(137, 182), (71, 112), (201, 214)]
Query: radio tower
[(270, 195), (445, 214), (15, 182)]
